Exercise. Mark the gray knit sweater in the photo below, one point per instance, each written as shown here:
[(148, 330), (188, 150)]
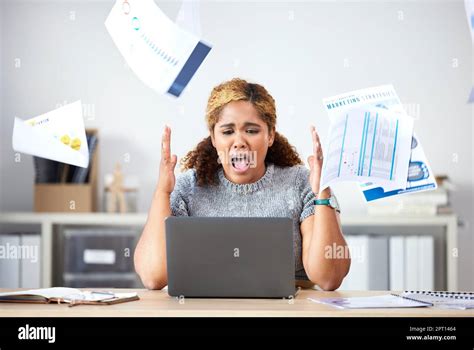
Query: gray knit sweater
[(280, 192)]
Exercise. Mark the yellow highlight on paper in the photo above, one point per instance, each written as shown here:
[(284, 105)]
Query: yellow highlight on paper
[(66, 139), (76, 144)]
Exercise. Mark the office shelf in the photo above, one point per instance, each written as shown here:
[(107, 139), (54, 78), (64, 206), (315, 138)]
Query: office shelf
[(48, 222)]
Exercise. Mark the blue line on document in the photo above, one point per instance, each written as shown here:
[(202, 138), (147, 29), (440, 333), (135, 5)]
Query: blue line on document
[(359, 172), (365, 141), (373, 143), (394, 148), (342, 148)]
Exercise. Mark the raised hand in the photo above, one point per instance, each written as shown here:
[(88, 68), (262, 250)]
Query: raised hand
[(315, 162), (166, 180)]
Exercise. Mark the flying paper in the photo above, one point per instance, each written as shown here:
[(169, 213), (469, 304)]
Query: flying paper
[(189, 17), (162, 55), (368, 145), (419, 176), (57, 135), (469, 4)]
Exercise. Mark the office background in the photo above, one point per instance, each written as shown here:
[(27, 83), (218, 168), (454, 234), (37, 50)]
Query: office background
[(56, 52)]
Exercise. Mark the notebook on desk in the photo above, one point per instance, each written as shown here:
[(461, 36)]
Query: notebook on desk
[(72, 296), (446, 300), (372, 302), (407, 299)]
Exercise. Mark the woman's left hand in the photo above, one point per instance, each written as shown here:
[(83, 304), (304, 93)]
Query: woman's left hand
[(315, 162)]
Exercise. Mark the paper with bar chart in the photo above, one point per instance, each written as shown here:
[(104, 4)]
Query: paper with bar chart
[(419, 176), (368, 145), (164, 56)]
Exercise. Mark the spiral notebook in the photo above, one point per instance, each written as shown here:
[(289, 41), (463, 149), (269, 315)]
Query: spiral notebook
[(407, 299), (373, 302), (446, 300)]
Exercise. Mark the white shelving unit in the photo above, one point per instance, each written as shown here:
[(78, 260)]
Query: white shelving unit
[(447, 224), (48, 221)]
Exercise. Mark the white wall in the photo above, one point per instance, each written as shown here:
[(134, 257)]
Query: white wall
[(2, 132), (297, 50)]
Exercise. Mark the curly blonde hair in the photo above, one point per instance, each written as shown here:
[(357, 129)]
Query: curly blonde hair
[(204, 158)]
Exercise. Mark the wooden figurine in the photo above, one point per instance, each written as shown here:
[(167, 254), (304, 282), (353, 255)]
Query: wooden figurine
[(116, 190)]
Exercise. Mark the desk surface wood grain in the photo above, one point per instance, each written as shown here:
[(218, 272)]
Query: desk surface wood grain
[(160, 304)]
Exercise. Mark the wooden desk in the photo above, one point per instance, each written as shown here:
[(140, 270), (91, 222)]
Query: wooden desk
[(160, 304)]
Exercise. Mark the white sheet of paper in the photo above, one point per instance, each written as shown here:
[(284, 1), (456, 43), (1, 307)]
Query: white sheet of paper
[(373, 302), (162, 55), (57, 135), (368, 145), (469, 5), (68, 294), (189, 17), (384, 96), (55, 292)]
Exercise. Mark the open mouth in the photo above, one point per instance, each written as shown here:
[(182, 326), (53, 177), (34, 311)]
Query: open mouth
[(240, 162)]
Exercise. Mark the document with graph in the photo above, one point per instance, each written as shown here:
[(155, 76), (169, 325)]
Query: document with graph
[(368, 145), (418, 176), (469, 5), (164, 56)]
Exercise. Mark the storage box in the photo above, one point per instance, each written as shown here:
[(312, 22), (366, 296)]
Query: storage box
[(69, 197), (98, 250), (100, 257)]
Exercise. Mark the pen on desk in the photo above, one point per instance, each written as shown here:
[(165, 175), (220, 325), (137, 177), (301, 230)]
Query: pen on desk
[(103, 293)]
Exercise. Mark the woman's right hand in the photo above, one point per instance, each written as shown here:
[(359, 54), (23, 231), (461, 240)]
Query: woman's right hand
[(166, 180)]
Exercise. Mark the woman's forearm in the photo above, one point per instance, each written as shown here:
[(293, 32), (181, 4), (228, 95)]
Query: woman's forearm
[(328, 260), (150, 253)]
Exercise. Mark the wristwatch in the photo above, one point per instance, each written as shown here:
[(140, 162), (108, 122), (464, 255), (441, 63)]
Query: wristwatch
[(330, 202)]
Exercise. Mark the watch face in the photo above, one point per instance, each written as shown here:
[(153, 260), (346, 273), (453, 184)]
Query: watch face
[(333, 202)]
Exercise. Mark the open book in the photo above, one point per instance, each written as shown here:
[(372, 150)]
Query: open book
[(71, 296)]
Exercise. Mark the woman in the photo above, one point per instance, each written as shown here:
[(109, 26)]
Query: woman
[(245, 168)]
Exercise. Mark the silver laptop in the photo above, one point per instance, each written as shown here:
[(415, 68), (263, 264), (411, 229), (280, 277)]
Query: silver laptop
[(230, 257)]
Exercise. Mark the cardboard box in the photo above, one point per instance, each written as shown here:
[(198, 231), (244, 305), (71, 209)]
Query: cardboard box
[(68, 197)]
